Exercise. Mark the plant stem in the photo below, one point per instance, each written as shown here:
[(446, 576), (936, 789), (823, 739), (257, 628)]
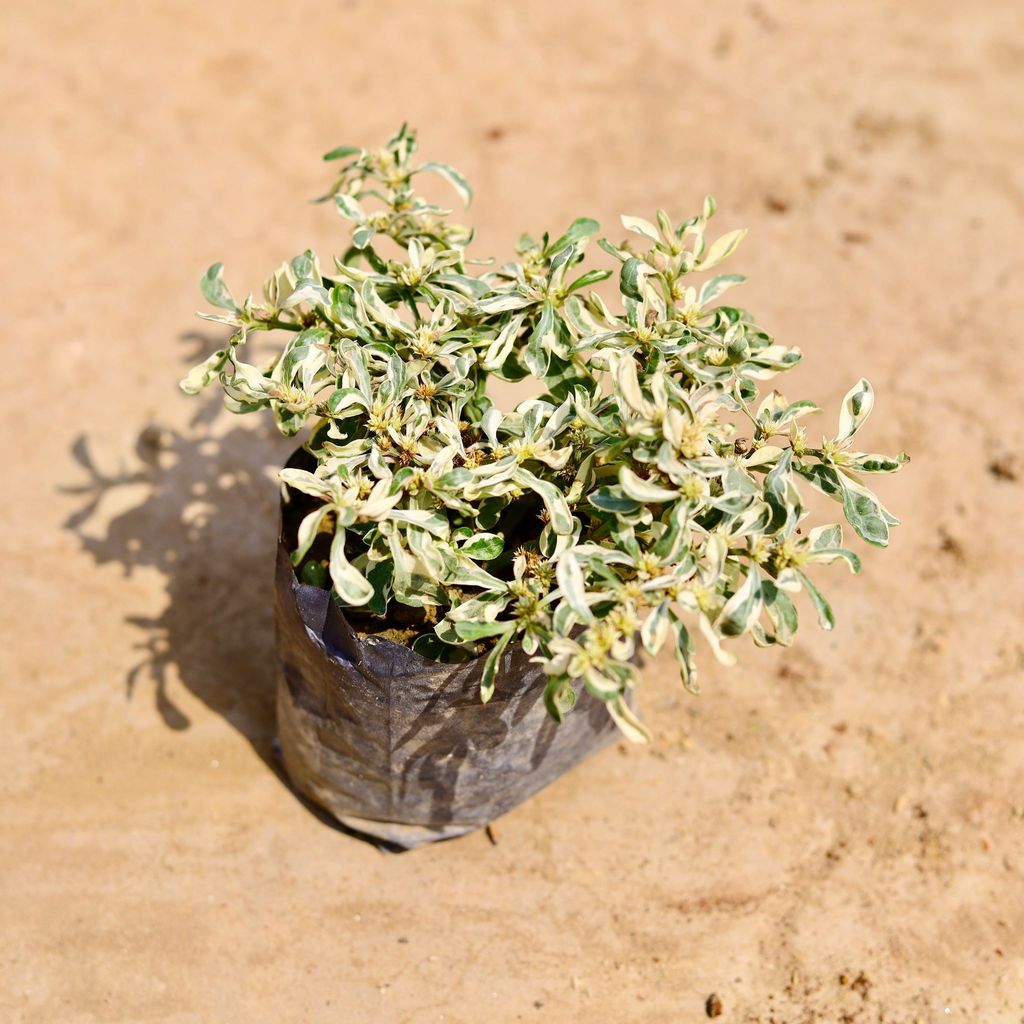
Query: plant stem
[(282, 325)]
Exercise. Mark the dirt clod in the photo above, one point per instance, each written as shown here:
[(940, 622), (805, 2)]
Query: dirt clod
[(950, 545), (1004, 467)]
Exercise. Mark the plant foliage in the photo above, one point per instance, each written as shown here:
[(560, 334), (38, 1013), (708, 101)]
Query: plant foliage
[(649, 492)]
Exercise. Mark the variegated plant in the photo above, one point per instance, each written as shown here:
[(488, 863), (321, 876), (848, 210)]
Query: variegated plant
[(647, 493)]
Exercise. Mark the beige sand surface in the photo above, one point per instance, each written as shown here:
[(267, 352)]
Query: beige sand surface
[(834, 834)]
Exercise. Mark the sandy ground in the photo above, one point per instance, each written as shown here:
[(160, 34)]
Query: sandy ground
[(834, 834)]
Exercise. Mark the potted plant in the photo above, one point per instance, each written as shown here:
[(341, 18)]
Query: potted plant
[(456, 577)]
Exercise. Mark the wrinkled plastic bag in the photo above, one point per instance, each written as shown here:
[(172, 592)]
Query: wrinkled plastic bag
[(400, 748)]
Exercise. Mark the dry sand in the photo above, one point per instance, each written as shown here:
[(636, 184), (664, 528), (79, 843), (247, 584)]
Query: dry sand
[(833, 834)]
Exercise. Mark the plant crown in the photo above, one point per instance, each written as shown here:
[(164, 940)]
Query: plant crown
[(649, 492)]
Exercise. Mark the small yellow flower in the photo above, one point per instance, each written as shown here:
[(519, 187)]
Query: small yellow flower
[(706, 599), (693, 439), (648, 565), (760, 549), (786, 553), (693, 488)]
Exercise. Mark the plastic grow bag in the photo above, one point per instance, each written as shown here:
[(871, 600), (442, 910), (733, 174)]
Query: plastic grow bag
[(399, 747)]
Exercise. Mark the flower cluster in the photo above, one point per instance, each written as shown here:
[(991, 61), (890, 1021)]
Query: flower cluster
[(648, 492)]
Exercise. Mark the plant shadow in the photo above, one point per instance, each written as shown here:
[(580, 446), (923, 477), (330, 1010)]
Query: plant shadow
[(200, 507), (202, 512)]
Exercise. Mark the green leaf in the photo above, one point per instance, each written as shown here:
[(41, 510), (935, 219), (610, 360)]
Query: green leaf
[(430, 645), (776, 487), (479, 630), (573, 586), (538, 348), (308, 483), (351, 585), (674, 541), (857, 406), (381, 311), (341, 152), (348, 206), (499, 349), (641, 227), (644, 491), (625, 718), (628, 382), (828, 536), (870, 463), (199, 376), (741, 611), (794, 411), (715, 286), (562, 258), (824, 478), (380, 575), (655, 629), (865, 514), (608, 500), (684, 654), (346, 402), (827, 555), (462, 572), (559, 697), (826, 619), (313, 574), (214, 290), (631, 278), (491, 666), (363, 237), (554, 500), (305, 266), (308, 530), (619, 254), (482, 547), (502, 302), (433, 522), (781, 611), (604, 686), (453, 177), (582, 227), (722, 249), (589, 278)]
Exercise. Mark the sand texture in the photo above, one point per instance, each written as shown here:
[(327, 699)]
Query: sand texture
[(828, 835)]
